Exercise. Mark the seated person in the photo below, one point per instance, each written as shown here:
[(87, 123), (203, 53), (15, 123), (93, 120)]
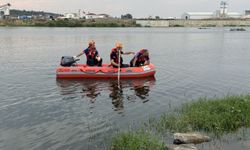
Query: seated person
[(140, 59), (114, 56), (93, 58)]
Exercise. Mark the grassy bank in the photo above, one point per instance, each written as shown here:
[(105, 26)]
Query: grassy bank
[(140, 140), (215, 116), (70, 23)]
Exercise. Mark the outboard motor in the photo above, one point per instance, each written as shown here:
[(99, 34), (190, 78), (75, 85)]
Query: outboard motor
[(68, 61)]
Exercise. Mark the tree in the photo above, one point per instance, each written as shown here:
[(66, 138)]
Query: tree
[(127, 16)]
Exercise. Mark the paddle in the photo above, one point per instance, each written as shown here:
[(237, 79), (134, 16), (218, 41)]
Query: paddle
[(119, 63)]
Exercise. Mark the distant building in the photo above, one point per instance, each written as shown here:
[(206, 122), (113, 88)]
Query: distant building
[(247, 12), (104, 16), (94, 16), (197, 15), (69, 16), (25, 17), (222, 13), (90, 16), (4, 10), (234, 15), (84, 15)]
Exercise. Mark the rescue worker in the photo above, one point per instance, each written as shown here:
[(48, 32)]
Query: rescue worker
[(140, 59), (93, 58), (114, 56)]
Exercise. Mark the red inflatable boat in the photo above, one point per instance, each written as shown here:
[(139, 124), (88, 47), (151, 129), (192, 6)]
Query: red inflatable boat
[(106, 71)]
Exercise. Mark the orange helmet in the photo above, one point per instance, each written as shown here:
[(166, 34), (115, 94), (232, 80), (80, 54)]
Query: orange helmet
[(118, 45), (91, 42)]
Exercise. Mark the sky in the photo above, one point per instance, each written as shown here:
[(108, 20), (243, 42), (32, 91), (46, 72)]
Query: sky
[(137, 8)]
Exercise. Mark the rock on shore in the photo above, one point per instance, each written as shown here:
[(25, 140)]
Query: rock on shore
[(187, 138)]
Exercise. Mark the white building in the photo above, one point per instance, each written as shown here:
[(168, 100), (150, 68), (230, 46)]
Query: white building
[(69, 16), (222, 13), (247, 15), (234, 15), (4, 10), (197, 15), (84, 15), (103, 16), (94, 16), (90, 16)]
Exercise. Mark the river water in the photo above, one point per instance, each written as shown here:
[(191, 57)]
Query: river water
[(39, 112)]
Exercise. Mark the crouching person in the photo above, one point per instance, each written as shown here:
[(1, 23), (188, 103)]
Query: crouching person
[(140, 59)]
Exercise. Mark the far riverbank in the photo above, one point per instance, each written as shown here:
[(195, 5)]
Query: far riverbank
[(115, 22), (195, 23), (70, 23)]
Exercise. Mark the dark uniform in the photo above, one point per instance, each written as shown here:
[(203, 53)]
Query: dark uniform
[(140, 59), (114, 55), (91, 57)]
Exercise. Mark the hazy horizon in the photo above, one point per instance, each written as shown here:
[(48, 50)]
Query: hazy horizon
[(139, 8)]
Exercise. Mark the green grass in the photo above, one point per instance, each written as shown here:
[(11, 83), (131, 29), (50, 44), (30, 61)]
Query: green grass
[(216, 116), (140, 140)]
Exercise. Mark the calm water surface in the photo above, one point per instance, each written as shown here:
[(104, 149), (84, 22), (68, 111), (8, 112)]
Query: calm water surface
[(39, 112)]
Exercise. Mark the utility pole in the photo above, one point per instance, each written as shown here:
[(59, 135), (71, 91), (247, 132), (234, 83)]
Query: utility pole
[(223, 9)]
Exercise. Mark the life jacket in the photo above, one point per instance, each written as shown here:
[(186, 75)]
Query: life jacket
[(116, 60), (140, 57), (91, 54)]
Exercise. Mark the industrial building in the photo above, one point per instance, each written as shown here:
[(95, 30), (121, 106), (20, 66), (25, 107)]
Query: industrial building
[(247, 12), (222, 13), (197, 15)]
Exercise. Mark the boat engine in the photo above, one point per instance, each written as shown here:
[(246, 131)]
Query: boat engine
[(68, 61)]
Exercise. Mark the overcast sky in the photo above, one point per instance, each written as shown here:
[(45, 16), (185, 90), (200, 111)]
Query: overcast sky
[(138, 8)]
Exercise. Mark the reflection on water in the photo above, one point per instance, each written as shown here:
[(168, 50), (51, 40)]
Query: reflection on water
[(116, 95), (94, 89), (91, 90), (141, 90)]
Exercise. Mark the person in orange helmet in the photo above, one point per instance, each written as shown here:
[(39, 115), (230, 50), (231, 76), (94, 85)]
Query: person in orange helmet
[(114, 56), (92, 55)]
